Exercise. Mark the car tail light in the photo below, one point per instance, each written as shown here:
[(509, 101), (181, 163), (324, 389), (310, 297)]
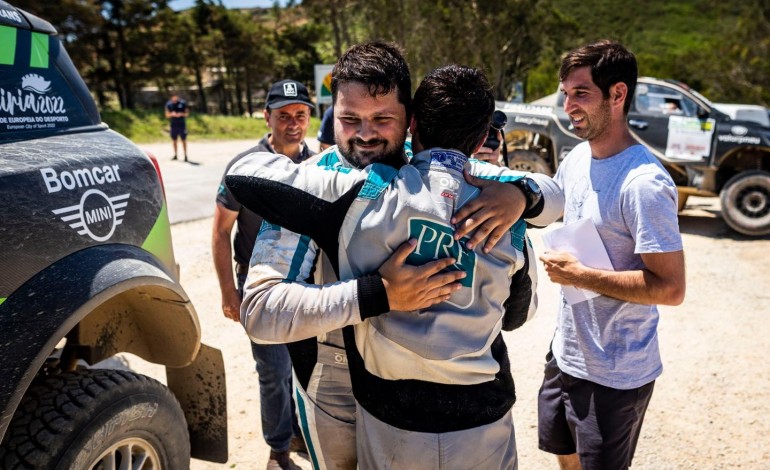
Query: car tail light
[(157, 170)]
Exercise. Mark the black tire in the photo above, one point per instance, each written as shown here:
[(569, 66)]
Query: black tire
[(745, 202), (80, 420), (524, 160)]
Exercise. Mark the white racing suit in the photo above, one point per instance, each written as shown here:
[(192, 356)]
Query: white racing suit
[(439, 371)]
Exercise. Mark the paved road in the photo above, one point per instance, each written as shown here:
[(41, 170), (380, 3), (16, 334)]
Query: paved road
[(191, 187)]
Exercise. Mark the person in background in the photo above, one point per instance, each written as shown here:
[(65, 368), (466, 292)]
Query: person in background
[(604, 356), (287, 115), (326, 131), (177, 112)]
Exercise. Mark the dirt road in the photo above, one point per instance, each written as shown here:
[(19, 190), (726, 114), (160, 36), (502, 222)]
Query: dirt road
[(710, 408)]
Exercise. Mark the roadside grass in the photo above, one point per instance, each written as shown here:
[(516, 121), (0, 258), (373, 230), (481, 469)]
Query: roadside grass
[(148, 127)]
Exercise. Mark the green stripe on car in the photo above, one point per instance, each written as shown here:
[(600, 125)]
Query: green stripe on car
[(158, 241), (7, 45), (39, 51)]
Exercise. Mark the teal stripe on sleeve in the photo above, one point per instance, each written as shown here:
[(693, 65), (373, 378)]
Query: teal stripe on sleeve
[(500, 178), (299, 257), (518, 234), (7, 45), (39, 51)]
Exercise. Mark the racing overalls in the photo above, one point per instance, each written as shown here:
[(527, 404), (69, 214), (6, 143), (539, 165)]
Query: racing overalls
[(439, 371)]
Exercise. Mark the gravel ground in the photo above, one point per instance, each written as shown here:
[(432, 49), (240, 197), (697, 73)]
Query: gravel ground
[(710, 406)]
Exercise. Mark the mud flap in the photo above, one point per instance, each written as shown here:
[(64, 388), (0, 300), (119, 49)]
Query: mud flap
[(201, 390)]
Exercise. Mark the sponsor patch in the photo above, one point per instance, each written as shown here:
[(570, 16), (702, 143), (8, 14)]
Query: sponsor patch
[(448, 159), (436, 241)]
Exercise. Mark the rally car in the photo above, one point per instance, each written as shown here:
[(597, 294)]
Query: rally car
[(88, 271), (707, 152)]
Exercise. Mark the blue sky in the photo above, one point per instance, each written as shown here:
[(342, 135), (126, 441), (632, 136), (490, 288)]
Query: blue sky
[(183, 4)]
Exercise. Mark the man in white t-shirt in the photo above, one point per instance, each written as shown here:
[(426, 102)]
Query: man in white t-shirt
[(604, 356)]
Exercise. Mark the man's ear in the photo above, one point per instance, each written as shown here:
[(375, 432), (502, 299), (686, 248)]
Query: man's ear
[(481, 144), (412, 125), (618, 93), (267, 118)]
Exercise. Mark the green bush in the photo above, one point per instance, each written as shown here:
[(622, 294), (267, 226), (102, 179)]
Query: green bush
[(145, 126)]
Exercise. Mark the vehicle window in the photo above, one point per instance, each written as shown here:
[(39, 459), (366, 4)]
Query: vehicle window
[(658, 100), (34, 95)]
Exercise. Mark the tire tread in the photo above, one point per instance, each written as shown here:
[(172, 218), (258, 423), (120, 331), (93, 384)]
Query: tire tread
[(46, 415)]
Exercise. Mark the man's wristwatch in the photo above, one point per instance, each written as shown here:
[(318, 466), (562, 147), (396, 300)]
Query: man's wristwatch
[(531, 191)]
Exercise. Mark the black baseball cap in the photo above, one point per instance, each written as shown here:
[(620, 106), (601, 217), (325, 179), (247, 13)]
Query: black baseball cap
[(287, 92)]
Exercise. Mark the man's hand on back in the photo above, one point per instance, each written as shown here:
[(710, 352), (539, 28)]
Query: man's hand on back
[(491, 214), (417, 287)]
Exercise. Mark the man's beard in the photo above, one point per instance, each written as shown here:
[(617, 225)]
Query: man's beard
[(393, 155), (597, 123)]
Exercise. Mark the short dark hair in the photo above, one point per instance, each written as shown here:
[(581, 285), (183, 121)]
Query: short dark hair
[(610, 63), (380, 66), (453, 108)]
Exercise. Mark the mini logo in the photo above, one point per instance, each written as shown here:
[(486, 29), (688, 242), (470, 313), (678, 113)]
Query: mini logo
[(96, 215), (448, 195), (290, 89), (739, 130), (35, 83), (340, 358)]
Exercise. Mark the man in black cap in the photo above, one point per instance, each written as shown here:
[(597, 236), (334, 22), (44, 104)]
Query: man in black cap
[(287, 114)]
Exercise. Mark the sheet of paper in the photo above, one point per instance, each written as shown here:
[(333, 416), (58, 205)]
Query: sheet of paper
[(582, 241)]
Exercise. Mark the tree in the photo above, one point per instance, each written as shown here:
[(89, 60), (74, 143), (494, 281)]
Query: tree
[(504, 38), (339, 15), (747, 79)]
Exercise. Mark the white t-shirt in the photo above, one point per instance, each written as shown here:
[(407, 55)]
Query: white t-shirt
[(632, 201)]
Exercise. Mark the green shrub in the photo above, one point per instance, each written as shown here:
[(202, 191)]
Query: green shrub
[(145, 126)]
